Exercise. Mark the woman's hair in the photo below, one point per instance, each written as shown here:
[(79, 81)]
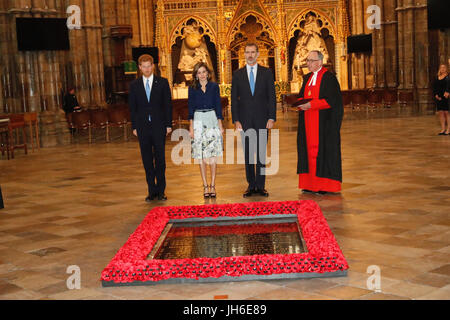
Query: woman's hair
[(196, 83), (439, 71)]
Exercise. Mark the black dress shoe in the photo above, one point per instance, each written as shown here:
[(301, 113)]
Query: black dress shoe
[(150, 197), (263, 192), (162, 197), (248, 193)]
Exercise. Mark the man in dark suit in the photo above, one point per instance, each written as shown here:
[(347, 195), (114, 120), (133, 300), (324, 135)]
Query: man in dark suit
[(253, 106), (150, 105)]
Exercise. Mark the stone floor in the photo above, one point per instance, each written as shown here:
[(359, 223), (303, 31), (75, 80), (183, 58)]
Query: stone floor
[(77, 205)]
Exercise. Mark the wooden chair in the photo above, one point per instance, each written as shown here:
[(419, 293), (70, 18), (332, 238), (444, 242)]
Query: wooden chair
[(389, 97), (374, 98), (405, 97), (118, 117), (17, 124), (81, 121), (100, 120), (5, 144), (346, 98), (359, 98), (31, 120)]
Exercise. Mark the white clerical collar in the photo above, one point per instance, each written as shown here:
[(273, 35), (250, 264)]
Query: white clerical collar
[(314, 78)]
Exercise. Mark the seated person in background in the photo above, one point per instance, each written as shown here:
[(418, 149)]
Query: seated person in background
[(70, 103)]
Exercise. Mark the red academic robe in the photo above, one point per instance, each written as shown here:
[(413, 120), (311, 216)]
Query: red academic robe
[(310, 181)]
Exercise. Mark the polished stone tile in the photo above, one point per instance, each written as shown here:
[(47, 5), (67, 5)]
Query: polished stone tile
[(78, 204), (344, 292), (445, 270), (408, 289)]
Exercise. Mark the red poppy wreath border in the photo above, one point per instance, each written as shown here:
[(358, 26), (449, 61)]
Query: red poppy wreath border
[(130, 264)]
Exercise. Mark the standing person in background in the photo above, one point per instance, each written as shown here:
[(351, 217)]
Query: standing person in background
[(70, 102), (439, 93), (206, 129), (70, 105), (150, 104), (253, 107), (319, 124)]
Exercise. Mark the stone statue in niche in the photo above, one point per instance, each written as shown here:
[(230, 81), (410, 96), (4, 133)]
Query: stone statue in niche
[(186, 62), (309, 39), (200, 55), (193, 50)]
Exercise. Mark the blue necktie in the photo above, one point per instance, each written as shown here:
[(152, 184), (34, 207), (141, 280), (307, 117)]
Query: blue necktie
[(252, 81), (147, 90)]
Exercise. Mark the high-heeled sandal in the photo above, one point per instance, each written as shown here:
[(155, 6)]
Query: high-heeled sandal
[(206, 194), (212, 194)]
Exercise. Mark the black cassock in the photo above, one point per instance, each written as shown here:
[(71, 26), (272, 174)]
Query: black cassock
[(329, 155)]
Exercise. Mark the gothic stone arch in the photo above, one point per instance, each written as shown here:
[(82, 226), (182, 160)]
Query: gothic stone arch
[(322, 17), (267, 27), (207, 29)]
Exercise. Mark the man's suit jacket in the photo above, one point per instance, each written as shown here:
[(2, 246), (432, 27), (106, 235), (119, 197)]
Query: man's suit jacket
[(159, 108), (253, 111)]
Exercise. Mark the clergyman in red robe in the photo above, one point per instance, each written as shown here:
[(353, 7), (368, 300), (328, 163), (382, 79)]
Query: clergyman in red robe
[(318, 138)]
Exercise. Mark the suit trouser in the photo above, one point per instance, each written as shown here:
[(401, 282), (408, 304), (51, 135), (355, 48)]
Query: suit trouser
[(255, 145), (154, 161)]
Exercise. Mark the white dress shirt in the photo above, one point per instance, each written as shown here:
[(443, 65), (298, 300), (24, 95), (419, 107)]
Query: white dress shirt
[(150, 82), (314, 78)]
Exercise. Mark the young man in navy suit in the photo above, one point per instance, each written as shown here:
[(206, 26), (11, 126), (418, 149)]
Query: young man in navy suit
[(150, 103), (253, 106)]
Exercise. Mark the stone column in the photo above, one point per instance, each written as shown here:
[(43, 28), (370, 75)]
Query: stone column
[(413, 48), (162, 42), (3, 55), (281, 51), (223, 50), (87, 55), (406, 44), (146, 22), (94, 53), (390, 41), (78, 58), (343, 31), (11, 90), (421, 61)]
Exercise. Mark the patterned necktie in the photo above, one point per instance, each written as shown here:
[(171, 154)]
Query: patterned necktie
[(252, 81), (147, 90)]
